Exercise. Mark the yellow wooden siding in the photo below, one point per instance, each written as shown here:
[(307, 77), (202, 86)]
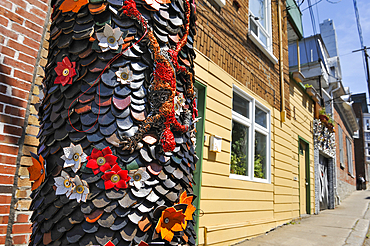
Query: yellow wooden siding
[(233, 209)]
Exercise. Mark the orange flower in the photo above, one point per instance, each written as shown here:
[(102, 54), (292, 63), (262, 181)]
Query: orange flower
[(170, 222), (72, 5), (184, 199), (37, 170)]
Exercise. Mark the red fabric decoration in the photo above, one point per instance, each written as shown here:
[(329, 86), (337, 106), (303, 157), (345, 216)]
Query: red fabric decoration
[(195, 110), (168, 140), (101, 161), (65, 71), (165, 73), (116, 178)]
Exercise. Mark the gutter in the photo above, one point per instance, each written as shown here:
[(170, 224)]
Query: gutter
[(281, 65)]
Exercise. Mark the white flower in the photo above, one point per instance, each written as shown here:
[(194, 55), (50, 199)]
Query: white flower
[(179, 103), (124, 75), (73, 156), (110, 39), (138, 178), (80, 190), (63, 184)]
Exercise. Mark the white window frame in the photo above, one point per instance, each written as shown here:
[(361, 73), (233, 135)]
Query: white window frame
[(252, 128), (340, 139), (349, 156), (266, 49)]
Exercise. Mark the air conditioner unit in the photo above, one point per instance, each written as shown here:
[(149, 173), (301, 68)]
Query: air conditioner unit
[(220, 3)]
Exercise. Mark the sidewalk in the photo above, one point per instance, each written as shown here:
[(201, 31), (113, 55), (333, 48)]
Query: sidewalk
[(347, 225)]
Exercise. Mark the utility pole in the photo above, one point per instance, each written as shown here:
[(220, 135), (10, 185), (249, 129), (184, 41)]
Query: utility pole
[(367, 66)]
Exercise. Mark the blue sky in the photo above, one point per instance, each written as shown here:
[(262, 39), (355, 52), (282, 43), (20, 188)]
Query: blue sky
[(343, 14)]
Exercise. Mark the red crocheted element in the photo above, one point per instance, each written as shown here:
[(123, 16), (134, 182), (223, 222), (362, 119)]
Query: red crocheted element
[(130, 10), (168, 140), (195, 110), (165, 73)]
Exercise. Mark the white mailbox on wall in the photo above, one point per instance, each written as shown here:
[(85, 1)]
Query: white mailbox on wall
[(215, 144)]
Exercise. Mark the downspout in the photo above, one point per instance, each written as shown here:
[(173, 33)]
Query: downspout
[(337, 197), (281, 64), (298, 57)]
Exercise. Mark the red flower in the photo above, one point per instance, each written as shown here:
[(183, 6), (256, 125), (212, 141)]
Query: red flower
[(65, 71), (116, 178), (101, 161)]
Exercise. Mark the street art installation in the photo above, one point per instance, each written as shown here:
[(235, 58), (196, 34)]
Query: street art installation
[(116, 156)]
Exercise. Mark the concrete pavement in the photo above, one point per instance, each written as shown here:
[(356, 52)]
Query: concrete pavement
[(347, 225)]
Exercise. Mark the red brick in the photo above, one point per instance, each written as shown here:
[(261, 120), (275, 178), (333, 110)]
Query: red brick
[(21, 75), (31, 43), (8, 33), (12, 16), (13, 63), (2, 239), (21, 228), (34, 27), (39, 4), (39, 13), (15, 111), (6, 170), (5, 69), (21, 94), (15, 82), (13, 101), (7, 4), (19, 3), (1, 107), (3, 21), (28, 16), (27, 32), (3, 89), (9, 180), (6, 51), (11, 120), (22, 218), (7, 160), (4, 219), (4, 210), (27, 59), (20, 239), (13, 130), (20, 47), (9, 139)]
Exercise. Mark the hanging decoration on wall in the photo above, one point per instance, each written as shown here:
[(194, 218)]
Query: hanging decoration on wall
[(117, 154)]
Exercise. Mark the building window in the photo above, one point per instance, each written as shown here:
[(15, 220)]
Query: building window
[(340, 140), (367, 125), (349, 156), (260, 21), (250, 147)]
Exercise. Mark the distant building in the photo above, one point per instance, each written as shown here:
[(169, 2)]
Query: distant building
[(335, 174), (362, 148)]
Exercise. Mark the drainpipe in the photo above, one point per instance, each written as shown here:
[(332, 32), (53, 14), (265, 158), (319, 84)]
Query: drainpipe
[(298, 57), (337, 197), (282, 112)]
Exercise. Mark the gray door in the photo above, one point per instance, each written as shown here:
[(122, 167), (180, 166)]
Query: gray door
[(324, 185)]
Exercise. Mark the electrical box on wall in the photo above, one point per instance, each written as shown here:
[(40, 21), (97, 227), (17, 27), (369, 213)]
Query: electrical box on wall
[(215, 144)]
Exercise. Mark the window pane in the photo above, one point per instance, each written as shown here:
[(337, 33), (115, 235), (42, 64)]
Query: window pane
[(260, 156), (240, 105), (257, 7), (263, 38), (239, 149), (261, 117)]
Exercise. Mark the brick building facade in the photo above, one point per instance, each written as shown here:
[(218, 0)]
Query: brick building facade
[(345, 158), (223, 36), (22, 25)]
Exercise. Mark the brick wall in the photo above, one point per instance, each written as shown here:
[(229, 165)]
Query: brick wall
[(222, 35), (343, 173), (21, 31)]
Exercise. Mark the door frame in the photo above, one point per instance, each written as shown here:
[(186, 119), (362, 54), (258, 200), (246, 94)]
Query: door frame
[(308, 173), (200, 127)]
